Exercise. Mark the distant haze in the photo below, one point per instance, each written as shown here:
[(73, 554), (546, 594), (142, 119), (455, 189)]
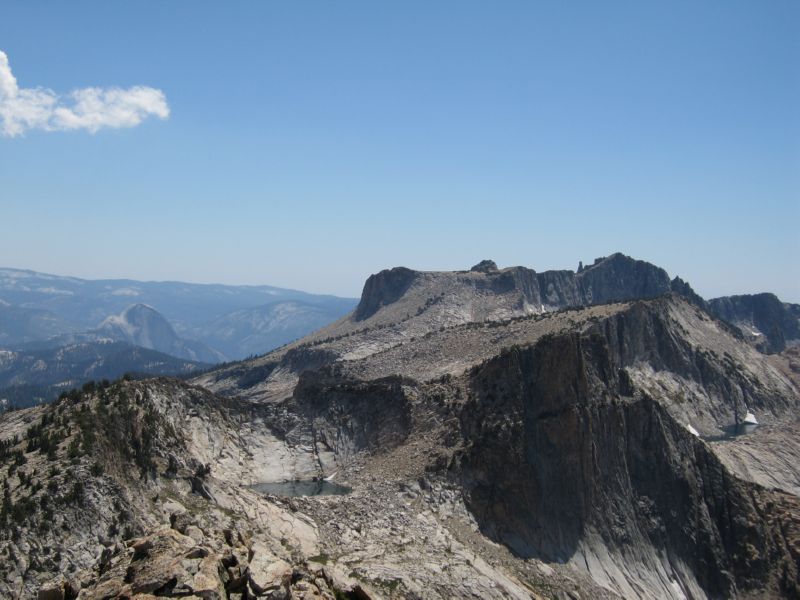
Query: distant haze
[(725, 280)]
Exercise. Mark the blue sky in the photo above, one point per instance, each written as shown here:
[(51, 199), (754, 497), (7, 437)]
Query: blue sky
[(309, 144)]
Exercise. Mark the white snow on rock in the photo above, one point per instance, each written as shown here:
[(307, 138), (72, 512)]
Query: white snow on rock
[(750, 419)]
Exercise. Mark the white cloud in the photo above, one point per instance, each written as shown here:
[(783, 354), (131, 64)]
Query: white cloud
[(91, 108)]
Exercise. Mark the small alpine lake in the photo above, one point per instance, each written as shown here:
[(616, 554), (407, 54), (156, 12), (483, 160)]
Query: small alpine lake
[(302, 488), (732, 431)]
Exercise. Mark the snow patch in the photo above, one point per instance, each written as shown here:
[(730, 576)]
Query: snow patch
[(126, 292), (54, 291)]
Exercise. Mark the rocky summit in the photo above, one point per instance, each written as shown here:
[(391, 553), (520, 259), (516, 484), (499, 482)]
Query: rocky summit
[(490, 433)]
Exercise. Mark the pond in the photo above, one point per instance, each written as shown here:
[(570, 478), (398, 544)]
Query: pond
[(732, 431), (302, 488)]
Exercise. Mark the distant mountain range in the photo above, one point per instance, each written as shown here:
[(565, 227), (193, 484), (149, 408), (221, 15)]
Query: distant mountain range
[(763, 319), (190, 325), (19, 324), (231, 321), (155, 328), (35, 376), (248, 331)]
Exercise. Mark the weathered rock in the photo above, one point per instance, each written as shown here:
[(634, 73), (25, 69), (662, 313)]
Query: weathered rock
[(181, 521), (764, 320), (382, 289), (206, 582), (268, 573), (194, 532), (559, 450), (485, 266)]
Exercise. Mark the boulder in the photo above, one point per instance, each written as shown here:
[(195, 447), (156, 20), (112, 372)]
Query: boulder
[(267, 572)]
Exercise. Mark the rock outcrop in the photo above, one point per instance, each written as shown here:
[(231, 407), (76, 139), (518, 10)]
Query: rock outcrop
[(183, 560), (681, 287), (142, 325), (383, 288), (769, 323), (567, 458), (485, 266), (352, 416), (619, 277), (569, 436), (132, 488), (610, 279)]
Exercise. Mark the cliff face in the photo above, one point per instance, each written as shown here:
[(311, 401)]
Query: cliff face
[(576, 448), (620, 277), (615, 278), (565, 458), (383, 288), (345, 417), (142, 325), (559, 288), (769, 323), (586, 433)]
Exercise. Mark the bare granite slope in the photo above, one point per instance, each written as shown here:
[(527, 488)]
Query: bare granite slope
[(495, 445), (595, 488), (401, 305)]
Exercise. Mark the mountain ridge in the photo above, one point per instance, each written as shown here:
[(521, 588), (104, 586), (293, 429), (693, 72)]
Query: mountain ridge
[(612, 278), (142, 325), (656, 368), (29, 377), (487, 445), (763, 316), (69, 305)]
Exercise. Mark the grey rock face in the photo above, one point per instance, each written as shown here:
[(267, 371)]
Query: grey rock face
[(485, 266), (612, 279), (383, 288), (561, 446), (763, 318), (559, 288), (565, 431), (144, 326), (352, 416), (620, 277)]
